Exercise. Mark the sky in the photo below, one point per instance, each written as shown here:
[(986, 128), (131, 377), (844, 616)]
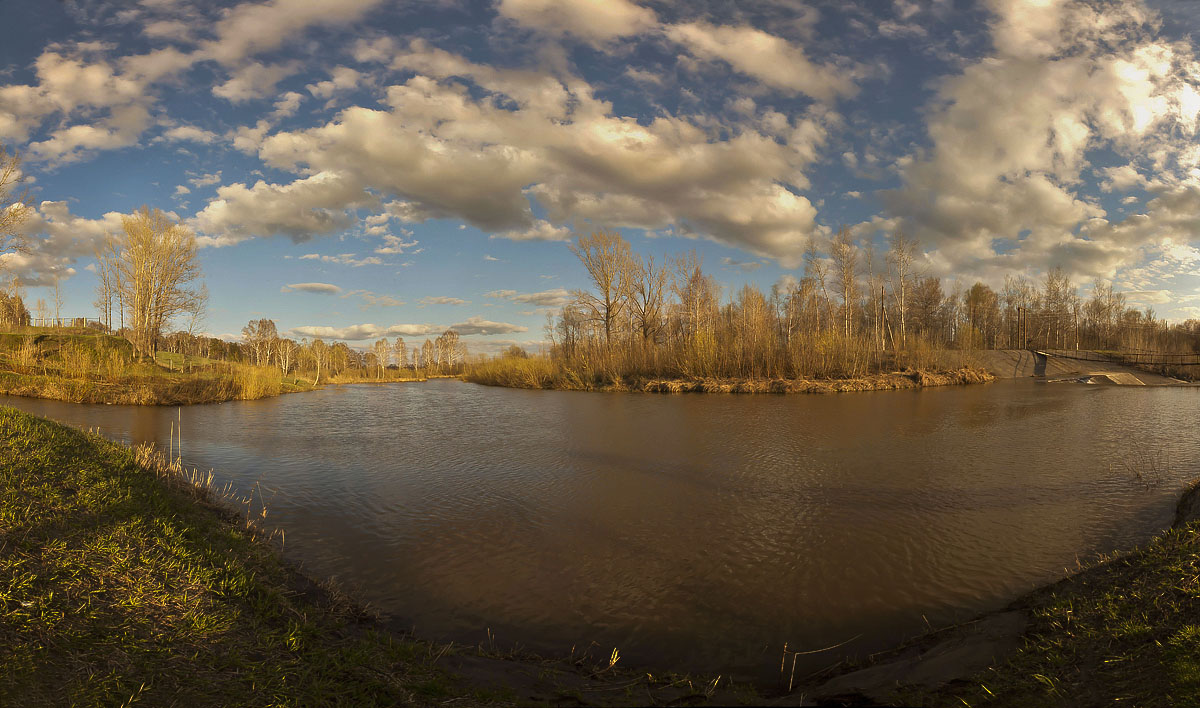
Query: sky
[(363, 168)]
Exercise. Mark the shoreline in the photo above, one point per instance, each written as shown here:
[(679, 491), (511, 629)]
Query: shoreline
[(891, 381)]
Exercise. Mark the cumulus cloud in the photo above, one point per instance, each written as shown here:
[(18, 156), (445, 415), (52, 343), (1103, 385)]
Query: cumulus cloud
[(772, 60), (342, 78), (547, 298), (540, 230), (481, 153), (312, 206), (348, 259), (370, 299), (478, 325), (353, 333), (595, 21), (322, 288), (189, 133), (58, 239), (1002, 186), (442, 300), (254, 80)]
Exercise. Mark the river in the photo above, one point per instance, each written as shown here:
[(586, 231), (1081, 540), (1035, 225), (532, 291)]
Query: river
[(690, 532)]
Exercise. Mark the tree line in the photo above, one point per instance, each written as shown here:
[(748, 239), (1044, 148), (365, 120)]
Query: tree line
[(853, 311)]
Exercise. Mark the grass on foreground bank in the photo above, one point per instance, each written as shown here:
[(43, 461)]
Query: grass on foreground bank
[(100, 368), (124, 582), (1125, 631), (120, 585), (544, 373)]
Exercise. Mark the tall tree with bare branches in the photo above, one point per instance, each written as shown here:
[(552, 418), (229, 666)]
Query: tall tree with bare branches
[(900, 256), (845, 263), (13, 209), (156, 268), (608, 261)]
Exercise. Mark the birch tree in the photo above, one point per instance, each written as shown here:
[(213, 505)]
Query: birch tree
[(156, 268)]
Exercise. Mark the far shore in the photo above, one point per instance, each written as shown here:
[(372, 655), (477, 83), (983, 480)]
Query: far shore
[(513, 377)]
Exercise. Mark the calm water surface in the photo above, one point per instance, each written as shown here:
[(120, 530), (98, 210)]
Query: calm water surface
[(695, 532)]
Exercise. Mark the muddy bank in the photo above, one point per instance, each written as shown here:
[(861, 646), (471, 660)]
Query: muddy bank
[(874, 382)]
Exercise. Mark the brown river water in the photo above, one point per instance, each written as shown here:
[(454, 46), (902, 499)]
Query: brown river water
[(691, 532)]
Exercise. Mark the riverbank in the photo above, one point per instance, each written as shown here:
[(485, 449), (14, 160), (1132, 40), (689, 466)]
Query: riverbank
[(1124, 629), (100, 368), (159, 389), (543, 374), (124, 579)]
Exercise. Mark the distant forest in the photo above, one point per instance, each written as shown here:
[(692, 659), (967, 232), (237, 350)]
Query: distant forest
[(853, 312)]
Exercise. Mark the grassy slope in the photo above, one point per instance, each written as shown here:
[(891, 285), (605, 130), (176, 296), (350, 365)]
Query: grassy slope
[(1123, 632), (131, 382), (115, 585)]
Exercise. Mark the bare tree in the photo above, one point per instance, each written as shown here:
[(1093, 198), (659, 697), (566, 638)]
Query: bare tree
[(156, 265), (382, 351), (901, 255), (106, 289), (401, 352), (58, 299), (845, 261), (449, 349), (260, 336), (13, 210), (286, 355), (607, 258), (647, 289)]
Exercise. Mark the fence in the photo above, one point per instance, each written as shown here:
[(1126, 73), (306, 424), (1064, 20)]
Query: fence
[(81, 322)]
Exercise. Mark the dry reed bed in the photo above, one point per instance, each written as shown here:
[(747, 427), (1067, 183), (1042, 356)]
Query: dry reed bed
[(543, 374)]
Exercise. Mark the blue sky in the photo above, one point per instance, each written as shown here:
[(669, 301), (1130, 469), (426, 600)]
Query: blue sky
[(355, 168)]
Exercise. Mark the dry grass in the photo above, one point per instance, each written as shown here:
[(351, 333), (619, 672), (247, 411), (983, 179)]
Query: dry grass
[(542, 373), (103, 369)]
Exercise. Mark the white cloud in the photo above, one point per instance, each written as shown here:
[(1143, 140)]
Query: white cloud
[(315, 205), (540, 230), (1001, 188), (441, 149), (287, 105), (478, 325), (254, 80), (189, 133), (205, 180), (322, 288), (342, 78), (343, 259), (595, 21), (472, 326), (370, 299), (442, 300), (772, 60), (547, 298), (58, 239)]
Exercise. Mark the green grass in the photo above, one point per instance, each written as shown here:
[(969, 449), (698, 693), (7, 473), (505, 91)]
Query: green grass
[(1123, 632), (119, 585)]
